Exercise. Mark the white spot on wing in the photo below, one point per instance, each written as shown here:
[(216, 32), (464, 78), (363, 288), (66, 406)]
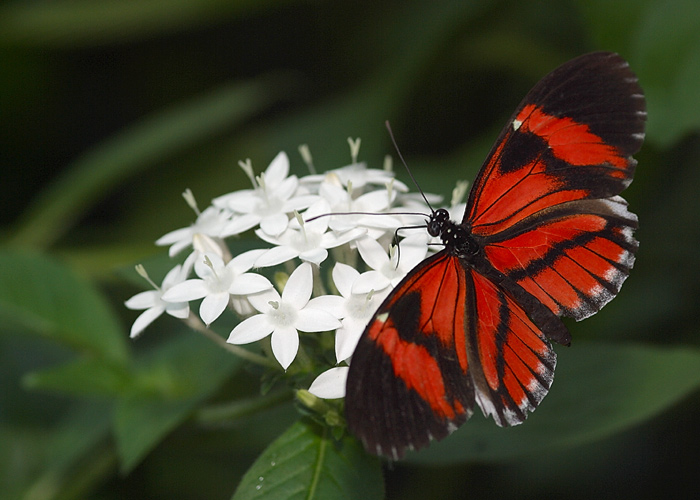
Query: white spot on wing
[(486, 406), (517, 124)]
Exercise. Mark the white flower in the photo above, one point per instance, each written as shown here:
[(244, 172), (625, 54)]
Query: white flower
[(284, 316), (268, 204), (389, 269), (218, 281), (358, 176), (374, 202), (330, 384), (357, 310), (153, 302), (210, 222), (309, 241)]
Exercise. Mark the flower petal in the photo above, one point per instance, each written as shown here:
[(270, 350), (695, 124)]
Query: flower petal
[(212, 306), (334, 304), (245, 261), (240, 224), (250, 330), (372, 253), (285, 189), (285, 345), (316, 320), (145, 318), (343, 277), (275, 224), (178, 310), (278, 169), (330, 240), (275, 256), (297, 291), (347, 337), (371, 280), (261, 301), (314, 256), (299, 202), (143, 300), (187, 290), (203, 243), (330, 384), (249, 283), (202, 269)]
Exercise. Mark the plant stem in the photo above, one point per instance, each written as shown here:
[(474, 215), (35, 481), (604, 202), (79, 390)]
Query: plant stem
[(196, 324)]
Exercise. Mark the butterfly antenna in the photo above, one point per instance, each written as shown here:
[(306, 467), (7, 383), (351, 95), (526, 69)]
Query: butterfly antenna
[(398, 151)]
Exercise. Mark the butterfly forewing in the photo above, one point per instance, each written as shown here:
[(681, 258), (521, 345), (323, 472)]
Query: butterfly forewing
[(409, 379), (545, 204)]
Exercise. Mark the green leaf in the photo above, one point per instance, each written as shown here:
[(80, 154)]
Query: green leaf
[(600, 389), (306, 463), (42, 296), (169, 387), (81, 377), (87, 22), (69, 456)]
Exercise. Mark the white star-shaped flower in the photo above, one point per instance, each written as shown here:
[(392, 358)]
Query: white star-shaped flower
[(210, 222), (375, 202), (268, 204), (153, 302), (284, 316), (357, 309), (309, 241), (358, 176), (218, 281)]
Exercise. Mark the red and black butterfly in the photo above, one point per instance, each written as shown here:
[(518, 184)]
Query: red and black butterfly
[(545, 234)]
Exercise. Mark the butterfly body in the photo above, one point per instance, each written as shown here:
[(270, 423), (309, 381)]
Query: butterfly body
[(545, 234)]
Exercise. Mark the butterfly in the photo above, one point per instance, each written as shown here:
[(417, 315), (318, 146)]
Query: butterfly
[(545, 234)]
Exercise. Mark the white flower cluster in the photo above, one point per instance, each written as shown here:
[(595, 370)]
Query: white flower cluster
[(298, 219)]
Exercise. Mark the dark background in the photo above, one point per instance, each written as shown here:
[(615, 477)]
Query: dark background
[(110, 110)]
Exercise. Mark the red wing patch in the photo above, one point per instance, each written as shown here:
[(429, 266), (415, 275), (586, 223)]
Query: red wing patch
[(545, 234), (570, 141)]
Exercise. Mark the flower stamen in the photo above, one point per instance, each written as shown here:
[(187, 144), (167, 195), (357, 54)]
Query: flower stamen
[(144, 274), (247, 167), (189, 198), (354, 148), (305, 153)]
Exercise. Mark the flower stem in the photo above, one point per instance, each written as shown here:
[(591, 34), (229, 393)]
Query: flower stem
[(196, 324)]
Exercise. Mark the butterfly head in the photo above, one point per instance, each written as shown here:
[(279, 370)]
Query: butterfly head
[(437, 222)]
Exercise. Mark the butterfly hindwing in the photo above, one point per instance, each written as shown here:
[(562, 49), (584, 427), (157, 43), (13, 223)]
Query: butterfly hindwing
[(512, 361), (545, 206)]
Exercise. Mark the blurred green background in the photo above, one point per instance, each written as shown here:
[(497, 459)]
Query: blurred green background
[(110, 109)]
